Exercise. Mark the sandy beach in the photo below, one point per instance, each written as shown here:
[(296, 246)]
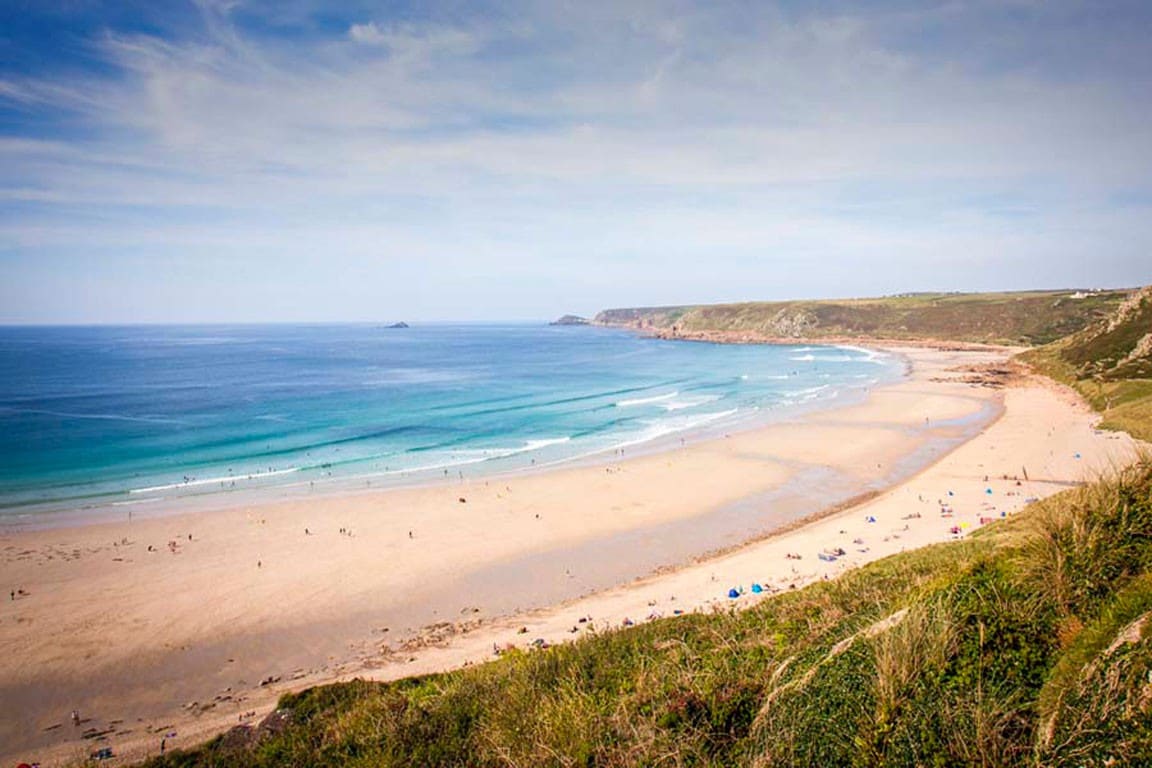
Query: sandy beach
[(179, 627)]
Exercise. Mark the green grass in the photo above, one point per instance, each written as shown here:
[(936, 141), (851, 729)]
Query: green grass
[(1106, 353), (1026, 644), (1090, 362), (1025, 318)]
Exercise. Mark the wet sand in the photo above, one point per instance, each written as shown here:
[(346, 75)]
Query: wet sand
[(197, 633)]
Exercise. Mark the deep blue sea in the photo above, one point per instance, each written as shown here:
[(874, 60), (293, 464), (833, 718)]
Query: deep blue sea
[(107, 418)]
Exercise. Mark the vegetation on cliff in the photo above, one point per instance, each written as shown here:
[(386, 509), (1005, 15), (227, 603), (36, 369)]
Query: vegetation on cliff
[(1110, 363), (1026, 318)]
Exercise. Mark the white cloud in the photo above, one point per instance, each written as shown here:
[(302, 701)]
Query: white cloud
[(596, 130), (368, 34), (415, 44)]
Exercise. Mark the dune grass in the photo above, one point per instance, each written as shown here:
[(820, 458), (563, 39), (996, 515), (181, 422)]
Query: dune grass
[(1026, 644)]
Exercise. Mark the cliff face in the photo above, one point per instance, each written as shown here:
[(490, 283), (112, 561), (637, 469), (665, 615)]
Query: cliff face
[(1027, 318)]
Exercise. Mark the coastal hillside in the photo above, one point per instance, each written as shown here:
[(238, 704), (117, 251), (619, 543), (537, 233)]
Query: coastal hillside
[(1027, 644), (1110, 363), (1023, 318)]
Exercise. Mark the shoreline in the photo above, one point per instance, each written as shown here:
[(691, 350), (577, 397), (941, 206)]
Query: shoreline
[(734, 469), (756, 337), (136, 504)]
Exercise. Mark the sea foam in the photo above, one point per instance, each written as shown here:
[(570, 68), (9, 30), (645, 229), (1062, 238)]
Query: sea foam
[(645, 400), (346, 403)]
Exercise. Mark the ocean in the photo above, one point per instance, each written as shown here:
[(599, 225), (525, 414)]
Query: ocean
[(103, 421)]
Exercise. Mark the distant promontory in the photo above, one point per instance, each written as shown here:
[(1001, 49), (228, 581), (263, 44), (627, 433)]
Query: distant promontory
[(1024, 318), (570, 320)]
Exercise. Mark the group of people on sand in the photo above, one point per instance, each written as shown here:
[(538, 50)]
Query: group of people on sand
[(173, 545)]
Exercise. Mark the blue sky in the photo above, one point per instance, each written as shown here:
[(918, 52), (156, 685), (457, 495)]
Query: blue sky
[(250, 160)]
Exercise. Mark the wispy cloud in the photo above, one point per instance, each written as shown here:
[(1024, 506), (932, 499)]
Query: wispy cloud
[(368, 33), (629, 152)]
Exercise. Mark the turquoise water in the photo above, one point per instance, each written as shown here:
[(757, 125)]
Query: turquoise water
[(103, 418)]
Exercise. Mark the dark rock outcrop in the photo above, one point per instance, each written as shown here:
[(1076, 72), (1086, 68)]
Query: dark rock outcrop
[(570, 320)]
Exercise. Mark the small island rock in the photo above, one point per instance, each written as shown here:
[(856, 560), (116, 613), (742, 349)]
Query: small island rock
[(570, 320)]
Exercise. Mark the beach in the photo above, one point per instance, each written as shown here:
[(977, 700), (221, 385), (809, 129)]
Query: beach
[(175, 628)]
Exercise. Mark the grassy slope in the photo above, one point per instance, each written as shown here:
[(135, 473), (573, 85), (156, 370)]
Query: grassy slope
[(1027, 644), (1103, 363), (1126, 404), (1033, 317)]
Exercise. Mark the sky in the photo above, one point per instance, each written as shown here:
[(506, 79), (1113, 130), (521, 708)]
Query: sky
[(309, 160)]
